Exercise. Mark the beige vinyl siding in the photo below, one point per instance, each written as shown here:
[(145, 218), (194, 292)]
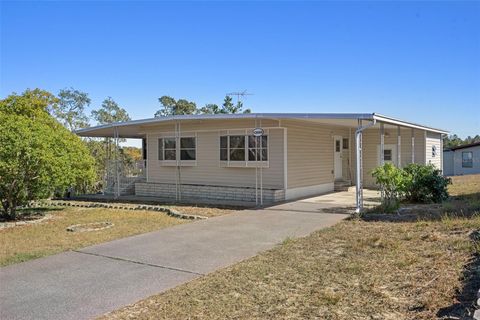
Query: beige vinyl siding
[(208, 169), (371, 142), (433, 139), (310, 153), (420, 146)]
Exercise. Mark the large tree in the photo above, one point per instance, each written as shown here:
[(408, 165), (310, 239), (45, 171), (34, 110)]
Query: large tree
[(172, 107), (38, 156), (110, 112), (70, 109)]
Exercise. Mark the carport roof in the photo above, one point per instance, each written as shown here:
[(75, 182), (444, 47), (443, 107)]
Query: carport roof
[(133, 129)]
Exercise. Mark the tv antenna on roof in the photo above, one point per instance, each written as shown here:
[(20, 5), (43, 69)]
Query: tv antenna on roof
[(239, 94)]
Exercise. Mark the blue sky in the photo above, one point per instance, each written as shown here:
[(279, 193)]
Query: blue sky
[(418, 61)]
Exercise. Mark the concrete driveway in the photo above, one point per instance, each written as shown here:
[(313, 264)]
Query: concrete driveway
[(92, 281)]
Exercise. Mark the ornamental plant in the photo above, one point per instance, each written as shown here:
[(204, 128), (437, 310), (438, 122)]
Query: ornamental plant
[(414, 183)]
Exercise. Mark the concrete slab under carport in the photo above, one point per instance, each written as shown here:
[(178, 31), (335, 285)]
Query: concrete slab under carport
[(92, 281), (342, 202)]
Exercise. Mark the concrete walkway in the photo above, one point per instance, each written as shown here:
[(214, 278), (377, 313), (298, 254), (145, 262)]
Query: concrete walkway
[(92, 281)]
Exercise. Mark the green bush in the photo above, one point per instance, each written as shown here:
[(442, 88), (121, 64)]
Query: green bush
[(38, 156), (425, 184), (392, 183), (415, 183)]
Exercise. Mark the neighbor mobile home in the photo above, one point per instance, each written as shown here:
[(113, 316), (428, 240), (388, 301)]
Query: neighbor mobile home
[(265, 158), (462, 160)]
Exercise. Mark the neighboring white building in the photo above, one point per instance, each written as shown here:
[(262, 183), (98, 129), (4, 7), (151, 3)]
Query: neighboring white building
[(462, 160)]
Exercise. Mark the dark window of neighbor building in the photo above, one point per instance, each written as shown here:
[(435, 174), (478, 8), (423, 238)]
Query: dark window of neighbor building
[(467, 159)]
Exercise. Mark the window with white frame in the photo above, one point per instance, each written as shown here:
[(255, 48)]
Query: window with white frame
[(467, 159), (167, 149), (257, 148), (243, 148), (434, 151), (188, 149)]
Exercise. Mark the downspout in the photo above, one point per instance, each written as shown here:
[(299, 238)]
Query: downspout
[(359, 164)]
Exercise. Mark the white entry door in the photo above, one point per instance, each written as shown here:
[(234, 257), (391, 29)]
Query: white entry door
[(337, 150)]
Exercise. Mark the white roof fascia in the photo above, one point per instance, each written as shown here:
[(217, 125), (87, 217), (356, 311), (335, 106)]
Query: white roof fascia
[(364, 116), (402, 123), (353, 116)]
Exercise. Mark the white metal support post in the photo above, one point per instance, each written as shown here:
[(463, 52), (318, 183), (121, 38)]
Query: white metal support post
[(382, 144), (413, 145), (399, 147), (261, 166), (117, 169), (256, 165), (359, 164)]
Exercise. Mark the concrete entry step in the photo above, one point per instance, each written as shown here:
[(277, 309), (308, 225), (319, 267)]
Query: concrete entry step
[(342, 185)]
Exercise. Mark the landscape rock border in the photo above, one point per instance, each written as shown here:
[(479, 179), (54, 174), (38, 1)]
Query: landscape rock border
[(4, 225), (87, 227), (168, 211)]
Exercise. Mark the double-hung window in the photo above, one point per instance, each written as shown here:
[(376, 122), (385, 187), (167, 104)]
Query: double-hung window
[(467, 159), (188, 148), (257, 148), (169, 150), (243, 148)]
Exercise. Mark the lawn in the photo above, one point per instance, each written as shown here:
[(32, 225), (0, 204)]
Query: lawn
[(22, 243), (358, 269)]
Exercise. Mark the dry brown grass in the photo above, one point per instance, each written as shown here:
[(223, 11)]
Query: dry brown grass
[(354, 270), (27, 242), (465, 185)]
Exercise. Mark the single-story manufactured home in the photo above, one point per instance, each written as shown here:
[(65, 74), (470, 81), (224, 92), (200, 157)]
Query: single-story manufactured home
[(462, 160), (268, 157)]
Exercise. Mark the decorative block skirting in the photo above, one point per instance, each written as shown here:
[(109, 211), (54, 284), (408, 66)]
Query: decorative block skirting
[(206, 193)]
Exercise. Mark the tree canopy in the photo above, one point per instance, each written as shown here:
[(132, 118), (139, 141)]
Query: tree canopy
[(171, 107), (70, 109), (110, 112), (454, 141), (38, 156)]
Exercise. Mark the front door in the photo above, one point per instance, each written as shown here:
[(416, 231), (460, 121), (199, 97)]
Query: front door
[(337, 145)]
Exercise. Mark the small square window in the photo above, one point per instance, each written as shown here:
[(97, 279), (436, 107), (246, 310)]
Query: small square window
[(387, 155)]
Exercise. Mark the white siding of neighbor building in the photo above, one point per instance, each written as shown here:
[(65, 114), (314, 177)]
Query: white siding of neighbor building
[(448, 162), (433, 139), (457, 161), (208, 169)]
